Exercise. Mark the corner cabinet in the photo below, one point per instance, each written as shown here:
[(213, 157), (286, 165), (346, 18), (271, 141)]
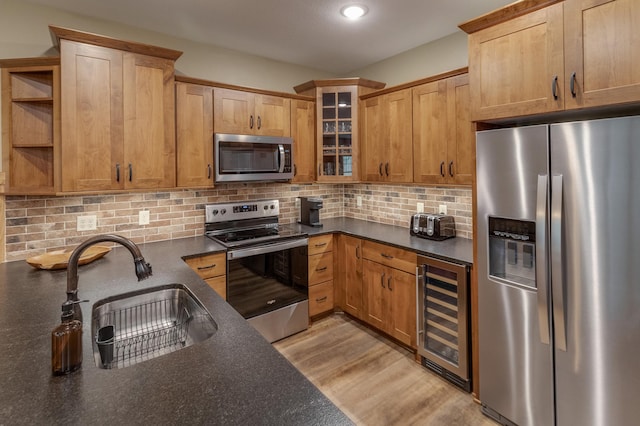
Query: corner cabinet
[(527, 59), (303, 119), (337, 105), (348, 289), (31, 124)]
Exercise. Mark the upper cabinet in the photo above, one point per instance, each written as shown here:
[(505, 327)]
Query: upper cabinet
[(443, 134), (30, 124), (194, 135), (248, 113), (387, 147), (118, 114), (337, 149), (567, 55), (303, 129)]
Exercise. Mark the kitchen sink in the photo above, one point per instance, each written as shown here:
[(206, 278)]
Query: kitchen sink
[(130, 328)]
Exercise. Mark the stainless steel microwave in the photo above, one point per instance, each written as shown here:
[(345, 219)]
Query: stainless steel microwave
[(244, 158)]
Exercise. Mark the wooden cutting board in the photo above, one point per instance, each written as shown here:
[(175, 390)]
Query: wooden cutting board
[(58, 259)]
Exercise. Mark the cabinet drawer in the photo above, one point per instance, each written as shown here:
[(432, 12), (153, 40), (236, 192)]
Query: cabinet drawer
[(320, 268), (210, 265), (320, 298), (219, 284), (320, 244), (390, 256)]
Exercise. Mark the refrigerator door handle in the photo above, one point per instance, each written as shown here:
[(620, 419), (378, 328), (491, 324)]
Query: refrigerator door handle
[(541, 258), (557, 284)]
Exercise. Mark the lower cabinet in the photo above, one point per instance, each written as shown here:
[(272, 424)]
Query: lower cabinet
[(320, 274), (212, 268)]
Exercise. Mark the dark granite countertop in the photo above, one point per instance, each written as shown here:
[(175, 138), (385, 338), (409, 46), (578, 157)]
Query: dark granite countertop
[(459, 250), (234, 378)]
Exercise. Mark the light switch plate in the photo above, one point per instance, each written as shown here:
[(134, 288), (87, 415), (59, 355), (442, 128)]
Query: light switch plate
[(143, 217), (358, 200), (420, 207), (86, 223), (442, 209)]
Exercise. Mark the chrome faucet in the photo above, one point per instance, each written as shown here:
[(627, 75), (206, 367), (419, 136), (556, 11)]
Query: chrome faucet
[(143, 269)]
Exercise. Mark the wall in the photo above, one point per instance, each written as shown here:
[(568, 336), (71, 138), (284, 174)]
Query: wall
[(35, 225), (445, 54)]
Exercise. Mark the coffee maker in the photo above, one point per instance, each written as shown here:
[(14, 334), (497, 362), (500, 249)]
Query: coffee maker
[(310, 211)]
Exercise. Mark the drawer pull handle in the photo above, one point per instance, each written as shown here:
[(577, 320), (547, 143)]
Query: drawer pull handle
[(357, 252), (321, 244), (389, 283), (572, 85), (382, 280), (321, 299), (324, 268), (554, 87), (442, 169), (202, 268), (117, 172), (386, 256), (380, 169)]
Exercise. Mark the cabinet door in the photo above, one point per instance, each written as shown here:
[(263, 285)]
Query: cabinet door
[(92, 117), (149, 122), (377, 306), (430, 132), (402, 290), (194, 134), (374, 149), (601, 48), (304, 140), (351, 258), (233, 111), (461, 161), (398, 165), (272, 116), (513, 66)]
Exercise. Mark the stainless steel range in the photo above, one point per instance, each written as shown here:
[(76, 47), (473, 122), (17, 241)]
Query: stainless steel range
[(267, 278)]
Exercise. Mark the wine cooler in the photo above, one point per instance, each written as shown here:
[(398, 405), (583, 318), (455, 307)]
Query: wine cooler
[(443, 319)]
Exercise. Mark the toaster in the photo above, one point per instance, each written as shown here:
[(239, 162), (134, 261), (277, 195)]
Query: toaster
[(432, 226)]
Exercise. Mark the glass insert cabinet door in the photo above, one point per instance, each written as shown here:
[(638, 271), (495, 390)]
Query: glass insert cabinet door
[(339, 124)]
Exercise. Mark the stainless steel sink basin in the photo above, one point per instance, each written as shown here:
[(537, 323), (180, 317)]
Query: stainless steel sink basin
[(133, 327)]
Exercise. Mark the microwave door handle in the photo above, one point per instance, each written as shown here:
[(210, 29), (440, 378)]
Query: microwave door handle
[(281, 150), (541, 258)]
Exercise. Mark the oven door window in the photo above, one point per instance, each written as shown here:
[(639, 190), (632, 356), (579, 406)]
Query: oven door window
[(267, 282), (238, 157)]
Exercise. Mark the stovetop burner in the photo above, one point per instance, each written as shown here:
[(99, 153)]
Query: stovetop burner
[(240, 224)]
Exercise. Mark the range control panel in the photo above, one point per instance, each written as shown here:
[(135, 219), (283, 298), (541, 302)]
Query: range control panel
[(224, 212)]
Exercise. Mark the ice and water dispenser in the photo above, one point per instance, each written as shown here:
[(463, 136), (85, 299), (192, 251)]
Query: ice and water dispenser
[(512, 250)]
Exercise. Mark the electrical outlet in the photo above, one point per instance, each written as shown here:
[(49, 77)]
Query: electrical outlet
[(143, 217), (442, 209), (86, 223), (420, 207), (359, 201)]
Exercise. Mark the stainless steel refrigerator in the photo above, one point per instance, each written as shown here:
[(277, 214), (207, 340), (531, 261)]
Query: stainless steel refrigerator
[(558, 273)]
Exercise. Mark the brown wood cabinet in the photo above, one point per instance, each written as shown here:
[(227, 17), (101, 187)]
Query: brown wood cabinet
[(443, 134), (194, 135), (304, 140), (31, 124), (387, 146), (247, 113), (212, 268), (118, 114), (568, 55), (320, 274), (348, 291), (389, 290), (337, 129)]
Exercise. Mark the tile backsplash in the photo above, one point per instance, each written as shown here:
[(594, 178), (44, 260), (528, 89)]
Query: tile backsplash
[(36, 224)]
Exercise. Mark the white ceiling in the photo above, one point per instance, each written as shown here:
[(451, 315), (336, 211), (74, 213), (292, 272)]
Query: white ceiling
[(311, 33)]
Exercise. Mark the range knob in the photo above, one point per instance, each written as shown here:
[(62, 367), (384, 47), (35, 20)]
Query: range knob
[(223, 211), (272, 207), (214, 211), (266, 207)]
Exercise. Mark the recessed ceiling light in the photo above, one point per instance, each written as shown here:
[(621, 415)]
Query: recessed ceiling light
[(354, 11)]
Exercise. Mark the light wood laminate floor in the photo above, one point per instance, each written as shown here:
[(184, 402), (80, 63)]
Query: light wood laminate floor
[(375, 381)]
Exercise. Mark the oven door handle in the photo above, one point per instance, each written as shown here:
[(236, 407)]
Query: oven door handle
[(266, 248), (281, 150)]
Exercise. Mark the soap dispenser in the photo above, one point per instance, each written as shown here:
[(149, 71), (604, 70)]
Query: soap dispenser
[(66, 342)]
